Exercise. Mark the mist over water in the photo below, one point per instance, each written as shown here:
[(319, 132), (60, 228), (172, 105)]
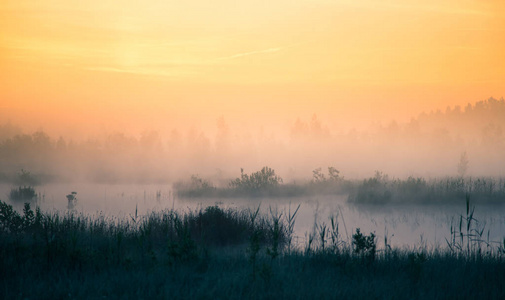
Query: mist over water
[(429, 145), (235, 149), (404, 225), (122, 173)]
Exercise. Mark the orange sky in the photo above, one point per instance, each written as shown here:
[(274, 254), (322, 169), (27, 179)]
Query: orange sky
[(84, 66)]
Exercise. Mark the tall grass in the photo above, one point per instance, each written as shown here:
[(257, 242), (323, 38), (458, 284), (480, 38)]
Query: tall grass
[(229, 254), (380, 189), (22, 193), (120, 240)]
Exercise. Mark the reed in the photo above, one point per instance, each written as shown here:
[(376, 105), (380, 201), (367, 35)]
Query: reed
[(230, 253)]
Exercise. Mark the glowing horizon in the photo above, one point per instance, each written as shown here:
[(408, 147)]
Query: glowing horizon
[(162, 64)]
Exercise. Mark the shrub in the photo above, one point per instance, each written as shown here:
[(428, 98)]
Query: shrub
[(220, 227), (12, 221), (364, 245), (258, 181), (333, 176), (25, 193), (196, 187)]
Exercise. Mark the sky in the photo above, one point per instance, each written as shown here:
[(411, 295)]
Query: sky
[(78, 68)]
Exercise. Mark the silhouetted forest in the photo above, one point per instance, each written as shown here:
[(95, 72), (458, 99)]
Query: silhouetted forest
[(428, 145)]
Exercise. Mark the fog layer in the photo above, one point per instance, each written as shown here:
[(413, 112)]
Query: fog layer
[(430, 144)]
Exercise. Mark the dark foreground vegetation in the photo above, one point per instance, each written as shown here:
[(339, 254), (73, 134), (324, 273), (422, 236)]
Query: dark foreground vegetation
[(231, 254)]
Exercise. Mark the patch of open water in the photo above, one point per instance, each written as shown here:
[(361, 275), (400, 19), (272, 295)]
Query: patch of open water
[(408, 225)]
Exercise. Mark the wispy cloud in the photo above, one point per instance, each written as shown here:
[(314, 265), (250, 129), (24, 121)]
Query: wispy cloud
[(131, 71), (238, 55)]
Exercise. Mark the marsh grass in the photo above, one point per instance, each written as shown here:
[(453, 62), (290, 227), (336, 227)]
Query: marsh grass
[(22, 193), (126, 239), (227, 254), (467, 237), (379, 189), (264, 183)]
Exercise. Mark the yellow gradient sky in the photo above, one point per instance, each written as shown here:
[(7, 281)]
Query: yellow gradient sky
[(84, 66)]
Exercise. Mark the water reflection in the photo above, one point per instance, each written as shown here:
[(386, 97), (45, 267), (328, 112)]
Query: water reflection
[(403, 225)]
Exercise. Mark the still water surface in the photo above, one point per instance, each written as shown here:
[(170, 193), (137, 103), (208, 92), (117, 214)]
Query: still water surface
[(404, 225)]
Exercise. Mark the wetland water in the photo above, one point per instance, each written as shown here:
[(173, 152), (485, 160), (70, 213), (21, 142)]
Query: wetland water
[(409, 225)]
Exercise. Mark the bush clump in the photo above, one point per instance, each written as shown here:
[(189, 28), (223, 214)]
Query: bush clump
[(25, 193), (196, 187), (364, 245), (256, 182)]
